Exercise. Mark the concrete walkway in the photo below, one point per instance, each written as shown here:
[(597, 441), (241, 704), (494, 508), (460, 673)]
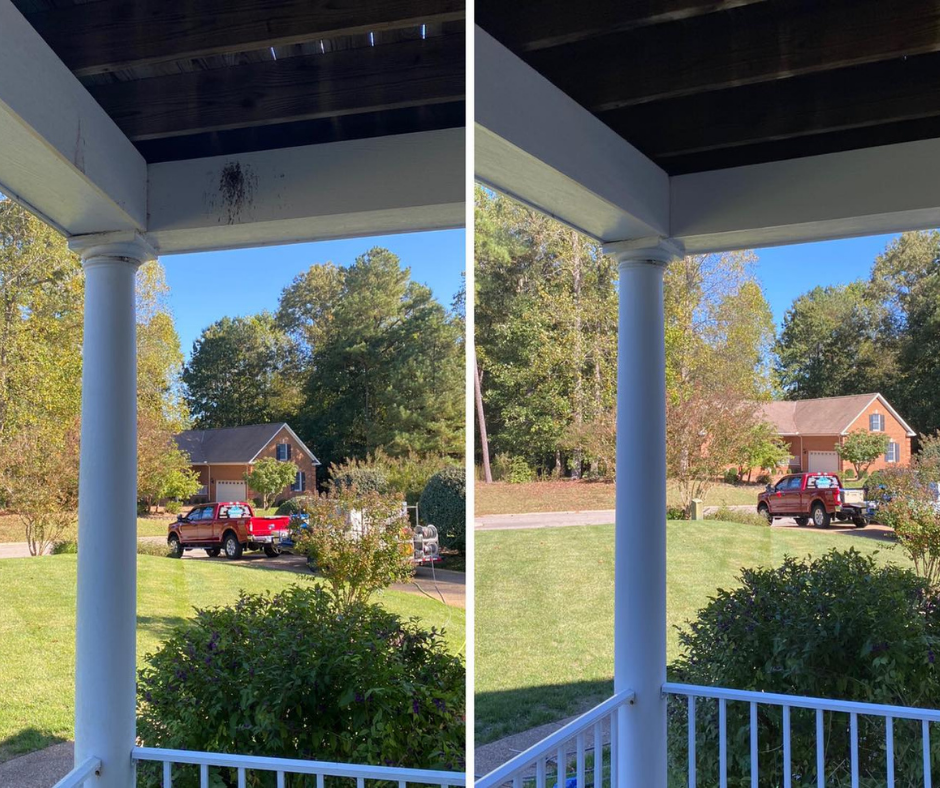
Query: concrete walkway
[(40, 769)]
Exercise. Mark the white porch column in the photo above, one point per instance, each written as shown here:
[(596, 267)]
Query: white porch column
[(105, 650), (640, 549)]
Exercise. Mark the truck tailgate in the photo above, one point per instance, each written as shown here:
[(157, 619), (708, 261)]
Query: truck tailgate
[(265, 526)]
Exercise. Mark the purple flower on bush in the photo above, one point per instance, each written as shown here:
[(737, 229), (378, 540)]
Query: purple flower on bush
[(416, 706), (930, 656)]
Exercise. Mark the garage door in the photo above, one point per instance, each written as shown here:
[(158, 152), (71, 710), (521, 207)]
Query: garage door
[(230, 491), (823, 461)]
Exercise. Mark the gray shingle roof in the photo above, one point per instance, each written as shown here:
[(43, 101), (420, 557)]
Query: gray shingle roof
[(231, 444), (823, 416)]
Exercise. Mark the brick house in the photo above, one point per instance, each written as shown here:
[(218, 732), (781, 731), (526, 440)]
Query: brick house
[(223, 456), (815, 427)]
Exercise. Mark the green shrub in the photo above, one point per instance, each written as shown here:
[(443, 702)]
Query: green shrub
[(839, 626), (65, 547), (363, 479), (519, 471), (676, 513), (444, 504), (295, 505), (764, 478), (296, 676), (731, 476), (729, 515), (173, 507), (152, 547)]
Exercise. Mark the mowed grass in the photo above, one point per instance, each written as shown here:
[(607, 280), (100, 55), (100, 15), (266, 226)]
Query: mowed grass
[(12, 530), (574, 496), (544, 607), (37, 630)]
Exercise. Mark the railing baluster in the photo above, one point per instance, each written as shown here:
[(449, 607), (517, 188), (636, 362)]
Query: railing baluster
[(722, 743), (755, 768), (853, 728), (820, 751), (787, 760), (928, 772), (614, 749), (241, 777), (581, 765), (321, 780), (280, 780), (540, 773), (692, 775), (167, 774), (889, 749), (203, 775), (561, 765), (598, 756), (360, 782), (517, 781)]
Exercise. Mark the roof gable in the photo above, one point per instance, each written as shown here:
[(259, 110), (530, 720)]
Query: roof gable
[(823, 416), (233, 444)]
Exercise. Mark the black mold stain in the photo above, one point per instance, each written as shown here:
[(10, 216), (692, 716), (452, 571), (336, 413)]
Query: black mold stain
[(236, 187)]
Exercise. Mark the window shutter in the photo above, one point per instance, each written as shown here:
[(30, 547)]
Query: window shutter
[(289, 452), (303, 481)]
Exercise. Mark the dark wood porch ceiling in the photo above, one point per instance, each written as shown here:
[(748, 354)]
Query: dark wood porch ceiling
[(706, 84), (189, 78)]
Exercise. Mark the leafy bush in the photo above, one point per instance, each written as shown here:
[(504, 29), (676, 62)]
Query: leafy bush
[(173, 507), (764, 478), (295, 505), (359, 477), (360, 542), (297, 676), (908, 505), (444, 504), (676, 513), (731, 476), (519, 471), (153, 547), (269, 477), (839, 626), (729, 515), (64, 547)]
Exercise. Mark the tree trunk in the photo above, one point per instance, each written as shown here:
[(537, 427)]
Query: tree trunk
[(481, 422), (578, 351)]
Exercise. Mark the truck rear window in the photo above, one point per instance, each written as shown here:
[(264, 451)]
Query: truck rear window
[(232, 512), (822, 482)]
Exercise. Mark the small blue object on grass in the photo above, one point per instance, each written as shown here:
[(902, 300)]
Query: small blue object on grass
[(571, 782)]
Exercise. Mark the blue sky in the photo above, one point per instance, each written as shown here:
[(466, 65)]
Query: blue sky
[(206, 287), (789, 271)]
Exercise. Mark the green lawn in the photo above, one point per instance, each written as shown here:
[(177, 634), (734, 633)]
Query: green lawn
[(11, 527), (572, 496), (544, 608), (37, 630)]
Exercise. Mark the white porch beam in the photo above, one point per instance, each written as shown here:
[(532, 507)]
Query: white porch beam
[(891, 188), (60, 155), (106, 622), (403, 183), (640, 520), (536, 144)]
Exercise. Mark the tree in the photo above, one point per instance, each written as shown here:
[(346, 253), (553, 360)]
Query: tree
[(910, 509), (163, 471), (862, 448), (385, 363), (269, 476), (764, 449), (236, 375)]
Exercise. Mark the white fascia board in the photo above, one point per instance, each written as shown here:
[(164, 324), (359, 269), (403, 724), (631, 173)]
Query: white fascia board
[(890, 188), (397, 184), (60, 154), (539, 146)]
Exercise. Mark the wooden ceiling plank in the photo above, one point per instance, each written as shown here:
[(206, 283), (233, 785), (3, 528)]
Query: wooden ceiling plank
[(750, 45), (407, 74), (539, 24), (109, 35), (872, 95)]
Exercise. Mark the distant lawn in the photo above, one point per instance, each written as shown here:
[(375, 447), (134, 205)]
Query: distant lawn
[(11, 527), (573, 496), (544, 608), (37, 630)]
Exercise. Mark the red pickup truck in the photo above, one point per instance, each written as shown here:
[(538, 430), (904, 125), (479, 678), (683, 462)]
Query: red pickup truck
[(231, 527), (807, 496)]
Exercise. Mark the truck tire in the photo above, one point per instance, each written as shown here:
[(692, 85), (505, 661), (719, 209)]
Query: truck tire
[(821, 518), (802, 521), (860, 522), (213, 552), (272, 551), (764, 511), (233, 548), (175, 545)]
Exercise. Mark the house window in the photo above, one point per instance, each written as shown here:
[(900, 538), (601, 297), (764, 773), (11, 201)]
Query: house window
[(283, 452), (300, 482), (894, 452), (876, 422)]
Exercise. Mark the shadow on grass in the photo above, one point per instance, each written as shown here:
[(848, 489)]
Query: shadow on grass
[(26, 741), (161, 626), (506, 712)]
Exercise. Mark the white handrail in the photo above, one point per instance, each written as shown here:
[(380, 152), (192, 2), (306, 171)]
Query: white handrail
[(297, 766), (803, 702), (76, 778), (550, 744)]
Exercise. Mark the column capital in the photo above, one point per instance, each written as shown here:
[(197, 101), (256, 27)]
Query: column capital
[(657, 251), (127, 246)]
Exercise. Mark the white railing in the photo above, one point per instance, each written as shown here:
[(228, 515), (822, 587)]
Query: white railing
[(243, 764), (76, 778), (827, 731), (570, 749)]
